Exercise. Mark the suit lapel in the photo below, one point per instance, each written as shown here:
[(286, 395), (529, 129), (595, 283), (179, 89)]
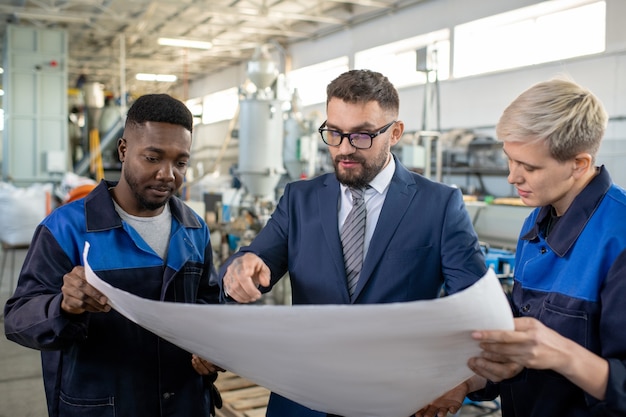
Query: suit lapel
[(328, 200), (401, 191)]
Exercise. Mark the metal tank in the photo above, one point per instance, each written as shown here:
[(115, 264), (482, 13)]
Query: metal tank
[(94, 101), (261, 129), (301, 142), (260, 146)]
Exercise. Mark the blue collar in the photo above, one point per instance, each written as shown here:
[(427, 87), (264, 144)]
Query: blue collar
[(101, 215), (572, 223)]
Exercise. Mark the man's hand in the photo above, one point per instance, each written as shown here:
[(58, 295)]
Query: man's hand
[(79, 296), (244, 276), (204, 367), (450, 402)]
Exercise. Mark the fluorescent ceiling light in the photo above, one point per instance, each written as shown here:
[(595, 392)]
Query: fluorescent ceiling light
[(168, 78), (185, 43)]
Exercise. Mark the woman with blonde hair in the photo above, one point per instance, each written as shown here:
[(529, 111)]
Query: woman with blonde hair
[(566, 356)]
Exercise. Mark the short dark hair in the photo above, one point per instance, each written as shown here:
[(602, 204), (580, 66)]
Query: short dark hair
[(159, 108), (362, 86)]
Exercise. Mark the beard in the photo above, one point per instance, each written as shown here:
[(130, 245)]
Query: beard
[(360, 177), (141, 199)]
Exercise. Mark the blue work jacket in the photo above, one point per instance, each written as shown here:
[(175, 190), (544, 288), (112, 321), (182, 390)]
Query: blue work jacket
[(574, 281), (102, 364)]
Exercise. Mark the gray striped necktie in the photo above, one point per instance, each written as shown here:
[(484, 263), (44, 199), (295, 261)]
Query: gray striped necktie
[(353, 237)]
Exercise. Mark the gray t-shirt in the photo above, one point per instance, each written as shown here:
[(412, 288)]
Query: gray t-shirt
[(154, 230)]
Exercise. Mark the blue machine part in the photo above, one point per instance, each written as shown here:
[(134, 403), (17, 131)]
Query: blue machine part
[(500, 260)]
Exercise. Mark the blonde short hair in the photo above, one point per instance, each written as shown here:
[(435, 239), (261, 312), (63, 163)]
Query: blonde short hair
[(569, 117)]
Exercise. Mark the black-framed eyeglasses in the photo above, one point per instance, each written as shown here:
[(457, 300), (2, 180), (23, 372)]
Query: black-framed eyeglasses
[(360, 140)]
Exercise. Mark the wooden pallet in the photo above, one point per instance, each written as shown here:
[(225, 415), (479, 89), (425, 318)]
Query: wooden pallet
[(241, 397)]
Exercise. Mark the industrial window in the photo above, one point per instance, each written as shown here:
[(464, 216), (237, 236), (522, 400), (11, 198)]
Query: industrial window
[(220, 106), (399, 60), (195, 106), (548, 31), (311, 81)]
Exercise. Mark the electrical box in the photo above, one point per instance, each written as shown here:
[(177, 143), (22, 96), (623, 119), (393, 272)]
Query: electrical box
[(35, 140)]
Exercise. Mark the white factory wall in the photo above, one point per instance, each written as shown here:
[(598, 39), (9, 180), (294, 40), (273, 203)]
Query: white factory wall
[(471, 102)]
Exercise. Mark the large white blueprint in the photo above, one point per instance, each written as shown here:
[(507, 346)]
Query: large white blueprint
[(382, 360)]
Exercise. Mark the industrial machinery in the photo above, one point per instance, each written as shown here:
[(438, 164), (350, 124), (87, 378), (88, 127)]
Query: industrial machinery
[(276, 145), (276, 142), (460, 156), (301, 146), (105, 123), (261, 127)]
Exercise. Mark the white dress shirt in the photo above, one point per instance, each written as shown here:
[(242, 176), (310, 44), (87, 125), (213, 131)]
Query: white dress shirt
[(374, 198)]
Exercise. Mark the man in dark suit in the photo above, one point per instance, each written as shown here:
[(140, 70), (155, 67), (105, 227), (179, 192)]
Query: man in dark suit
[(418, 236)]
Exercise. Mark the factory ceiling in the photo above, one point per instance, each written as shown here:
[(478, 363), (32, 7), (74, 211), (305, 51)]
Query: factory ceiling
[(106, 35)]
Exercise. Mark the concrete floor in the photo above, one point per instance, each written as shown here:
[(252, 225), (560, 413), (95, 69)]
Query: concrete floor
[(21, 385)]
